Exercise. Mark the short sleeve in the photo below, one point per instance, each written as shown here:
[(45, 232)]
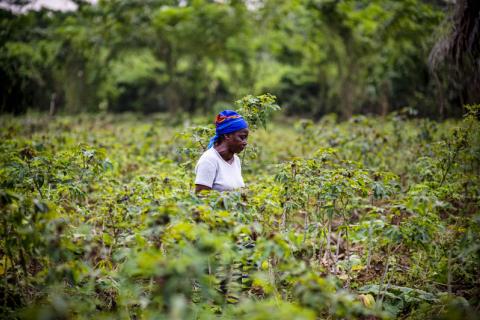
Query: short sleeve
[(206, 172)]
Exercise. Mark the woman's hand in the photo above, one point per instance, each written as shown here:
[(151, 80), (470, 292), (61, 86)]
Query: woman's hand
[(200, 187)]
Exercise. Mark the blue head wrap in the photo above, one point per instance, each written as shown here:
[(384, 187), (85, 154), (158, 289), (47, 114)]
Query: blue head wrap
[(227, 121)]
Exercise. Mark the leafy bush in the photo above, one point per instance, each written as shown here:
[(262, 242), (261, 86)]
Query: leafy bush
[(339, 220)]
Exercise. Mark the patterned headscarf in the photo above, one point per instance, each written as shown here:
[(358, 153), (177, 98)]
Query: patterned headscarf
[(227, 121)]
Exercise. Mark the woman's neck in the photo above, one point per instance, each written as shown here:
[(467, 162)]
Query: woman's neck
[(223, 151)]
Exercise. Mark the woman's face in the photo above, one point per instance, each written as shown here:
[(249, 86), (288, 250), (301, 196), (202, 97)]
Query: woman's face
[(237, 141)]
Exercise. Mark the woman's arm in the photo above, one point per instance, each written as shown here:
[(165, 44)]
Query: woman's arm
[(205, 171)]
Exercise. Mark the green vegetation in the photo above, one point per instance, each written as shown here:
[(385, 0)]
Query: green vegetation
[(358, 205), (317, 56), (368, 218)]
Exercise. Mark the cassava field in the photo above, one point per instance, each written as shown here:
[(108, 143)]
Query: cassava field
[(369, 218)]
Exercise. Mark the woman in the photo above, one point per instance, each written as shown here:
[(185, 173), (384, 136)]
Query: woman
[(219, 167)]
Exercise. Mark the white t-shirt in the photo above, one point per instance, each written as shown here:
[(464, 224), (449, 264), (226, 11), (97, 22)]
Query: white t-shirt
[(214, 172)]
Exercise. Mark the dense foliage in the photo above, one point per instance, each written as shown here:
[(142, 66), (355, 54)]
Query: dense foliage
[(318, 56), (373, 217)]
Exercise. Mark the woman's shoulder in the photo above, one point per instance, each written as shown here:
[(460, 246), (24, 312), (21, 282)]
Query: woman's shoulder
[(207, 161), (208, 155)]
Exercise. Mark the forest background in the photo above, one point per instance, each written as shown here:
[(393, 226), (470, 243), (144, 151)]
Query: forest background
[(316, 56)]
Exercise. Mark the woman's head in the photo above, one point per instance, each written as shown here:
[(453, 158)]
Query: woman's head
[(230, 128), (235, 141)]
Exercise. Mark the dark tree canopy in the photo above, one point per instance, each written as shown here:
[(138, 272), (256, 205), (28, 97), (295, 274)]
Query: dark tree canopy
[(318, 57)]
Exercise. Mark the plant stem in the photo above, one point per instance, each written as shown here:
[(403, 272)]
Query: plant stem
[(284, 219), (369, 252), (305, 227), (449, 273), (329, 232), (347, 252), (337, 251), (382, 281)]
